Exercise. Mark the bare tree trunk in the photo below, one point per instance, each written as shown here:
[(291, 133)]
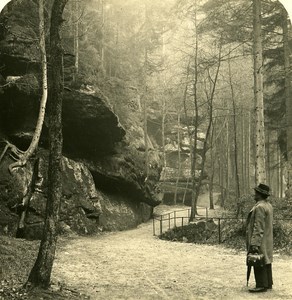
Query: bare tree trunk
[(248, 153), (211, 177), (242, 154), (237, 182), (35, 140), (145, 117), (145, 127), (281, 172), (194, 136), (145, 134), (260, 165), (40, 274), (163, 141), (210, 99), (178, 158), (268, 156), (278, 173), (227, 159), (102, 42), (222, 183), (76, 38), (163, 132), (24, 156), (185, 191)]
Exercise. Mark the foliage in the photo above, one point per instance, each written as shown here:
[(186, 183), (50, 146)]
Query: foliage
[(232, 234), (229, 20), (202, 232)]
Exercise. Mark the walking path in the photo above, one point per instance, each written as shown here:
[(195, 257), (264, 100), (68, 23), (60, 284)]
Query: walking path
[(134, 264)]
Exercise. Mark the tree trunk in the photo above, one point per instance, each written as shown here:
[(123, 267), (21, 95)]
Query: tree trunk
[(237, 179), (102, 39), (242, 154), (146, 132), (237, 183), (163, 136), (40, 274), (178, 158), (145, 116), (260, 167), (248, 153), (76, 38), (37, 133), (193, 136), (24, 156), (211, 178), (288, 105), (227, 159)]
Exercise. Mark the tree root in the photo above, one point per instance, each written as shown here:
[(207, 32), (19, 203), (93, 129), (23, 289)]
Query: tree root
[(16, 154), (19, 163)]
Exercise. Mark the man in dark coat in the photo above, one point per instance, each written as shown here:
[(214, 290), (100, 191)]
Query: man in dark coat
[(259, 237)]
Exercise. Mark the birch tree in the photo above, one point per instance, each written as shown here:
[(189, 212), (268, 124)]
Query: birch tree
[(260, 168), (22, 157)]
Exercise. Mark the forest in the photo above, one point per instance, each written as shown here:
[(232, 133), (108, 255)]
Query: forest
[(109, 108), (190, 65), (187, 68)]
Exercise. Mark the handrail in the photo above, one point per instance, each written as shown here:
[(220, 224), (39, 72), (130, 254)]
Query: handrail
[(172, 212), (167, 217)]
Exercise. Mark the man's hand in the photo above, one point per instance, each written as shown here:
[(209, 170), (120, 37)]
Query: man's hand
[(254, 249)]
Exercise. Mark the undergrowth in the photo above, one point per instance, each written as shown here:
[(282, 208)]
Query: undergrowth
[(17, 257), (232, 234), (233, 230)]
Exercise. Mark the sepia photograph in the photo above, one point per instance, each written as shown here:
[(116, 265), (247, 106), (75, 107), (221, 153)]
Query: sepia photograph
[(145, 149)]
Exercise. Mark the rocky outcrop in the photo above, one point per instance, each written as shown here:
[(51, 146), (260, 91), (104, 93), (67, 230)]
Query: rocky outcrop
[(104, 183), (90, 128)]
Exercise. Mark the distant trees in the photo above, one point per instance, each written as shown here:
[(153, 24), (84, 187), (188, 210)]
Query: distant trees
[(251, 153), (125, 36), (232, 19)]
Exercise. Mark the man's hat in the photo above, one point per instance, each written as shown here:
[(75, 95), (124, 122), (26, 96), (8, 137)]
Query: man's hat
[(263, 189)]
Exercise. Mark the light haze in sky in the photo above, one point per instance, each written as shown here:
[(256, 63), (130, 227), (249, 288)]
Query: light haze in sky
[(287, 4)]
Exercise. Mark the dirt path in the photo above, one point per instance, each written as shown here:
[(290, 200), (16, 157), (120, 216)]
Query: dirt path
[(136, 265)]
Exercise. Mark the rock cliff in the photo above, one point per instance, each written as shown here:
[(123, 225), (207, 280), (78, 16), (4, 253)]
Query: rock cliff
[(104, 182)]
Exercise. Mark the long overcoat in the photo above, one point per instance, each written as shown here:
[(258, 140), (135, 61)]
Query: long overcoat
[(259, 229)]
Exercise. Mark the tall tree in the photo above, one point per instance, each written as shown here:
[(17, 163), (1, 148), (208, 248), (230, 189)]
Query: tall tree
[(193, 134), (288, 102), (40, 274), (237, 182), (260, 167), (76, 21), (178, 155), (22, 157)]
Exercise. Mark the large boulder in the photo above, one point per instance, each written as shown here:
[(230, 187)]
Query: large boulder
[(80, 204), (84, 208)]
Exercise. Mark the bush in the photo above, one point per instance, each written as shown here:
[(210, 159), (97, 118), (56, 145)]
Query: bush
[(199, 232), (232, 234)]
